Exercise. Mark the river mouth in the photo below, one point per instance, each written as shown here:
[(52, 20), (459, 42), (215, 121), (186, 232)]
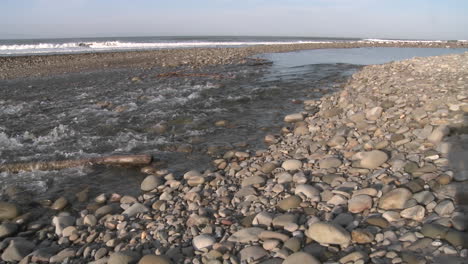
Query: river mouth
[(172, 117)]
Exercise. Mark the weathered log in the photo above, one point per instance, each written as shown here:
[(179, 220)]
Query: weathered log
[(124, 160)]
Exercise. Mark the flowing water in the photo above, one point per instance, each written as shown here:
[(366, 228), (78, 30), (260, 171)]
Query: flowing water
[(121, 112)]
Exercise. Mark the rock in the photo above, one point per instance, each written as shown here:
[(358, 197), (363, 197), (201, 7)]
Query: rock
[(284, 220), (292, 164), (69, 231), (330, 163), (359, 203), (308, 191), (372, 159), (395, 199), (362, 236), (61, 222), (203, 241), (17, 250), (196, 180), (424, 197), (191, 174), (246, 235), (293, 244), (153, 259), (415, 213), (289, 203), (59, 204), (252, 254), (62, 255), (135, 209), (8, 211), (336, 141), (374, 113), (378, 221), (103, 210), (438, 134), (327, 233), (267, 235), (90, 220), (253, 180), (150, 183), (263, 219), (7, 229), (302, 258), (445, 208), (268, 167), (457, 238), (292, 118), (125, 257), (434, 231), (353, 257)]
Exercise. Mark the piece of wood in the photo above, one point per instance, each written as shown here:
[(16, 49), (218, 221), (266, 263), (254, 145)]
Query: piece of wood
[(123, 160)]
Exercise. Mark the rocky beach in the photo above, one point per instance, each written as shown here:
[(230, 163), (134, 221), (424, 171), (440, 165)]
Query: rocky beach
[(375, 172)]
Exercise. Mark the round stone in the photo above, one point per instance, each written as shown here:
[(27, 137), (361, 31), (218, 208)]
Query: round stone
[(292, 164), (359, 203), (153, 259), (330, 163), (302, 258), (203, 241), (395, 199), (150, 183), (8, 211), (307, 190), (373, 159), (290, 203), (328, 233), (59, 204), (415, 213), (292, 118)]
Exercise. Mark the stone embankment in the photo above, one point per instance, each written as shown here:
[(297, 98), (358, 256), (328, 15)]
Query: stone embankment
[(374, 173)]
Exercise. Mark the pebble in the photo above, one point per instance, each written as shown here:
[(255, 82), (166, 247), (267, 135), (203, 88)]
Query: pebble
[(246, 235), (252, 254), (328, 233), (301, 257), (17, 250), (8, 211), (59, 204), (291, 202), (359, 203), (150, 183), (203, 241), (7, 229), (372, 159), (136, 208), (293, 118), (330, 163), (292, 164), (415, 213), (153, 259), (395, 199)]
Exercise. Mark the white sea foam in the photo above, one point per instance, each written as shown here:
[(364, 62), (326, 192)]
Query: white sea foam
[(401, 41), (72, 47)]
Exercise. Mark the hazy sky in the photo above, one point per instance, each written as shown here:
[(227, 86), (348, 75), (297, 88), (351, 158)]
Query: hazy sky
[(427, 19)]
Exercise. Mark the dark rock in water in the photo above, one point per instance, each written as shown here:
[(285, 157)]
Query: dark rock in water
[(17, 250), (7, 229), (8, 211)]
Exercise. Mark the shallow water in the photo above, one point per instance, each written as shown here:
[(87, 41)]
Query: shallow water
[(111, 112)]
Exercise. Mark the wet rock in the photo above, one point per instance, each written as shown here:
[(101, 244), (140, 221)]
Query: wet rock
[(61, 222), (253, 180), (8, 211), (395, 199), (378, 221), (438, 134), (124, 257), (62, 255), (292, 118), (328, 233), (308, 191), (135, 209), (150, 183), (268, 167), (374, 113), (362, 236), (353, 257), (301, 257), (17, 250), (434, 230), (59, 204), (7, 229)]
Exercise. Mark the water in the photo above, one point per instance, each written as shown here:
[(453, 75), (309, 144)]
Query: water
[(110, 112), (15, 47)]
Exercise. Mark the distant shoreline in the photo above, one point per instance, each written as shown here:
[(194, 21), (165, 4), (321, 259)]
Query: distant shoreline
[(45, 65)]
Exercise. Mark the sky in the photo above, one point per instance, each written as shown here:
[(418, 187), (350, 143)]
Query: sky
[(400, 19)]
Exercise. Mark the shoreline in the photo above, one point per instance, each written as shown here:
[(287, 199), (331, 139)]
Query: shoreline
[(372, 173), (45, 65)]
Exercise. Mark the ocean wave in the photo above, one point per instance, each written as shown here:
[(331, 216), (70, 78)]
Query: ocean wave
[(401, 41), (119, 45)]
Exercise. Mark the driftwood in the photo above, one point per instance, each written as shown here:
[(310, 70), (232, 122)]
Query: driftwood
[(125, 160)]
